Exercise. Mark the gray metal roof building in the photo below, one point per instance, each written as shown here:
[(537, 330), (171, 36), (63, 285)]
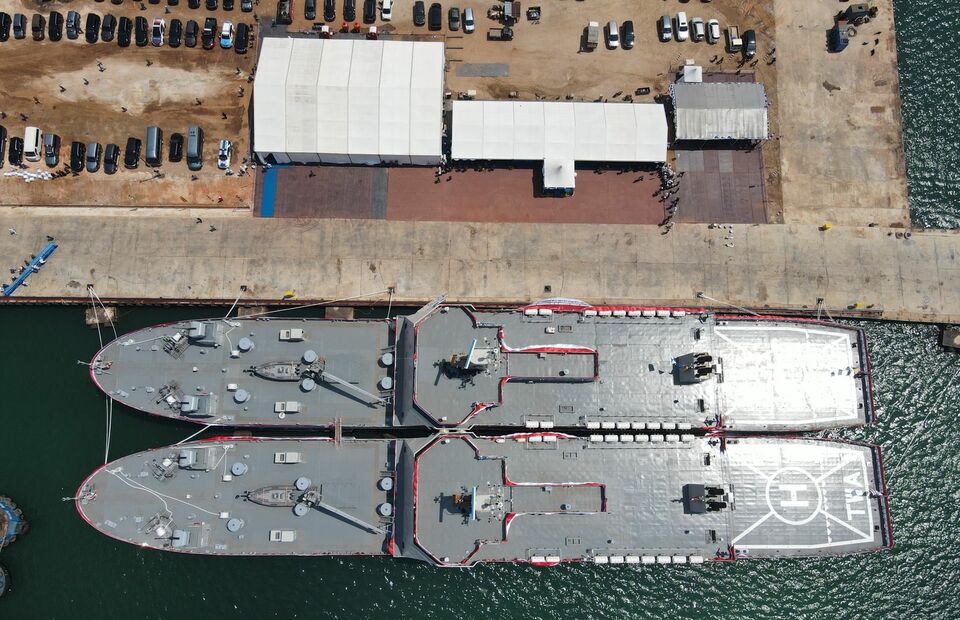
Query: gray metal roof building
[(719, 111)]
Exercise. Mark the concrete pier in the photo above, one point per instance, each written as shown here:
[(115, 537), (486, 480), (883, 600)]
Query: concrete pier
[(893, 273)]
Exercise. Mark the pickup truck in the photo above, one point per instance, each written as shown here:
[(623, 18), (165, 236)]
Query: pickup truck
[(734, 42), (500, 34), (593, 36)]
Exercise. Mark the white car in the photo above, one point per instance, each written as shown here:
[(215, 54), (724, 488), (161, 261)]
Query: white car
[(468, 24), (158, 28), (613, 35), (386, 10), (223, 156), (697, 30), (226, 35), (683, 26), (713, 31)]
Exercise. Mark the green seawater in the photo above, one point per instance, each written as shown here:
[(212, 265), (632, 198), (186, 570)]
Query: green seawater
[(52, 423)]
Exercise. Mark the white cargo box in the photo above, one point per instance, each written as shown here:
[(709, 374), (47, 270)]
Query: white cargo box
[(286, 536), (291, 335), (286, 406), (288, 457)]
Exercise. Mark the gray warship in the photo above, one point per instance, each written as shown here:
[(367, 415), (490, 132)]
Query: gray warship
[(556, 432), (555, 364)]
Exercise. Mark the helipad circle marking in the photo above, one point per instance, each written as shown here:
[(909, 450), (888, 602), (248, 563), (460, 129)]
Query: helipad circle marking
[(777, 479)]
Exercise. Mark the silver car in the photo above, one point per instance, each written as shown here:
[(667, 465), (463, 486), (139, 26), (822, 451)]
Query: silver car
[(94, 151), (51, 149)]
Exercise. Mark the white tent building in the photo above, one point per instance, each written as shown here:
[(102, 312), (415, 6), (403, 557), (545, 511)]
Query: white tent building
[(348, 101), (559, 134)]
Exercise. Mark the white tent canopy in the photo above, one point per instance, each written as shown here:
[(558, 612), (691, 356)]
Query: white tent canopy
[(720, 110), (567, 131), (348, 101)]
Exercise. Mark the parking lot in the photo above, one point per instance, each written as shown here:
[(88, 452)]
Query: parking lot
[(104, 93)]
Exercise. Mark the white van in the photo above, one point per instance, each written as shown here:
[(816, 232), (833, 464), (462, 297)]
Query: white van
[(613, 35), (32, 144), (683, 26)]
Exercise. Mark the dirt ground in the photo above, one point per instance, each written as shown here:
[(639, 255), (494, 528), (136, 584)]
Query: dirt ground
[(138, 87)]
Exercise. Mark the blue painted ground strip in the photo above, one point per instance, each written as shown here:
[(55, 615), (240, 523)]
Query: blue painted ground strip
[(269, 191)]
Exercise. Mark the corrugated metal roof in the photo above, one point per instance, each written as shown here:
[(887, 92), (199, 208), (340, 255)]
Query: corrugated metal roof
[(720, 111)]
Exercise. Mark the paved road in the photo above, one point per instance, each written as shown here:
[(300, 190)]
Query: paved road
[(780, 266)]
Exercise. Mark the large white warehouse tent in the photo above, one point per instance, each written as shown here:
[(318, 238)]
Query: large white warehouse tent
[(720, 110), (559, 133), (348, 101)]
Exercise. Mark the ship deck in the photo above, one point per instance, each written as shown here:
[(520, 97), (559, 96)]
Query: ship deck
[(578, 369), (546, 499), (139, 368), (190, 510)]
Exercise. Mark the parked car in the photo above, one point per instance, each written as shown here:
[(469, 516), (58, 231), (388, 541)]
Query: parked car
[(54, 26), (226, 35), (242, 39), (453, 18), (16, 151), (435, 17), (190, 40), (419, 13), (5, 22), (38, 26), (111, 155), (78, 151), (94, 151), (124, 30), (3, 143), (176, 33), (159, 27), (468, 24), (284, 14), (227, 5), (211, 5), (142, 31), (175, 153), (349, 10), (19, 27), (713, 31), (208, 36), (173, 2), (683, 26), (51, 149), (193, 4), (369, 11), (627, 35), (91, 30), (749, 43), (224, 154), (613, 35), (386, 10), (697, 29), (246, 5), (73, 25), (310, 9), (117, 2), (329, 10), (131, 155), (665, 26), (108, 28)]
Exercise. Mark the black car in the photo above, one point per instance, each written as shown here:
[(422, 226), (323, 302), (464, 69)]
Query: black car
[(175, 33), (16, 151), (211, 5), (154, 1), (241, 39), (108, 28), (3, 141), (78, 151), (436, 16), (246, 6), (5, 22), (193, 4), (142, 31), (173, 2), (19, 26), (124, 29), (110, 158), (73, 25), (209, 33), (55, 26), (92, 29), (284, 15), (628, 35), (131, 156), (329, 10), (749, 44), (453, 18), (227, 5), (190, 39), (118, 2), (37, 26), (176, 147), (369, 11), (419, 13), (310, 9), (349, 10)]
